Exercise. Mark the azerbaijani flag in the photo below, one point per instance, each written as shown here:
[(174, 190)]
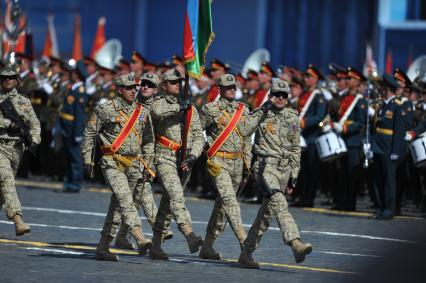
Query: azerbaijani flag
[(198, 35)]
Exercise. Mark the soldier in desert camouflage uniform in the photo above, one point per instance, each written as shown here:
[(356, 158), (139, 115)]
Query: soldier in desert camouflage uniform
[(166, 115), (123, 168), (226, 165), (277, 164), (143, 196), (12, 146)]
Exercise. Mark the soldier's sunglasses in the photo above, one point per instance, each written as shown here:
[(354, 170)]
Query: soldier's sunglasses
[(175, 82), (5, 78), (280, 94), (148, 84), (229, 87)]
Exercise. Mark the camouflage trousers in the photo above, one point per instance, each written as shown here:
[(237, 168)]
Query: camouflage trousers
[(226, 205), (273, 206), (172, 203), (123, 183), (10, 155)]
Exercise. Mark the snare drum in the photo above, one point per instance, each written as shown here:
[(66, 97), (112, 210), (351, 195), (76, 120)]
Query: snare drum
[(330, 146), (418, 151), (302, 143)]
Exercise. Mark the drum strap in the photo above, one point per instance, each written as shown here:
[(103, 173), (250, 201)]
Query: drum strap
[(349, 110), (307, 104)]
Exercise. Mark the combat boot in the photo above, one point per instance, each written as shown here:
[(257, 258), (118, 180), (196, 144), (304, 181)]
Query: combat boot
[(207, 251), (122, 241), (20, 227), (156, 252), (102, 250), (300, 250), (143, 244), (194, 241), (247, 260)]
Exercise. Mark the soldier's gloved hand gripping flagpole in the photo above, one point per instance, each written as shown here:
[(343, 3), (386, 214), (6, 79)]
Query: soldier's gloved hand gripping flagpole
[(198, 36)]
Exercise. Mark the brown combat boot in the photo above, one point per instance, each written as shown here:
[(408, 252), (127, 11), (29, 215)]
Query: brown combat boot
[(156, 252), (167, 235), (122, 241), (103, 252), (194, 241), (247, 261), (300, 250), (143, 244), (207, 251), (20, 227)]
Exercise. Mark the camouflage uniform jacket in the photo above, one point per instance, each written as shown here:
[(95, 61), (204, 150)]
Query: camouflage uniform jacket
[(277, 138), (25, 110), (108, 120), (166, 117), (215, 117)]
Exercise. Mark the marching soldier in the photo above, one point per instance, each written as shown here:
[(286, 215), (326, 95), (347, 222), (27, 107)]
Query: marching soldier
[(166, 115), (142, 195), (229, 128), (387, 146), (350, 124), (312, 111), (277, 164), (12, 143), (124, 128), (72, 120)]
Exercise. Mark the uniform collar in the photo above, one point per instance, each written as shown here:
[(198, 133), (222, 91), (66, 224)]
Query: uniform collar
[(171, 98), (24, 74), (121, 104), (226, 104), (389, 99), (13, 92), (76, 85)]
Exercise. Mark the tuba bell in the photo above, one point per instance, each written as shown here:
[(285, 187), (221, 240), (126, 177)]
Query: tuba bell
[(254, 61), (109, 55), (417, 69)]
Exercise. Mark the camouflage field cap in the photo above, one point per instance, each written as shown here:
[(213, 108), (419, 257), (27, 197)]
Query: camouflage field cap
[(280, 86), (226, 80), (152, 78), (8, 71), (126, 80), (171, 75)]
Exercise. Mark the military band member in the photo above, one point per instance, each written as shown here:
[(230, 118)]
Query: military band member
[(350, 124), (12, 144), (266, 74), (312, 111), (124, 128), (277, 164), (387, 146), (229, 128), (407, 111), (217, 69), (137, 65), (72, 120), (166, 115)]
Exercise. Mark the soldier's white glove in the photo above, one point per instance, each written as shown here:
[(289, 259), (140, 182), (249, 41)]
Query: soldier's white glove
[(338, 128), (326, 128), (394, 157), (408, 136)]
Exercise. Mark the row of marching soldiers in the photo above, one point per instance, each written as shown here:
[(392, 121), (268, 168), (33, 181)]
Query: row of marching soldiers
[(140, 137)]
